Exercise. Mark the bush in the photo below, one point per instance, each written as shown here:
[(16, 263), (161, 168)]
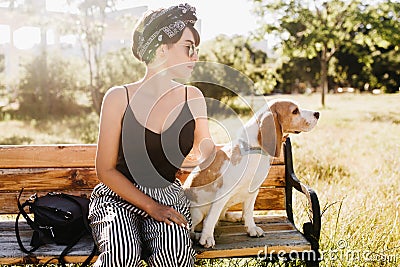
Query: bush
[(49, 87)]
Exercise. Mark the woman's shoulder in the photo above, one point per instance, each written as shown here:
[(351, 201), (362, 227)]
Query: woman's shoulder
[(118, 92), (115, 98), (193, 92), (196, 101), (115, 92)]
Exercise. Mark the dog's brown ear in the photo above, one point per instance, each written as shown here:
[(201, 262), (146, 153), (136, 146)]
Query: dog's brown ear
[(270, 134)]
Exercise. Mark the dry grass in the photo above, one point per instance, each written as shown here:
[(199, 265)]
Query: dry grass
[(73, 130), (352, 160)]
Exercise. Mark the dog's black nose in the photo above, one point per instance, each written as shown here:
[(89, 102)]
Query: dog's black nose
[(316, 115)]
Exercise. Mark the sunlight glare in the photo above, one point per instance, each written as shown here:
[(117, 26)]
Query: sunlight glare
[(68, 39), (50, 37), (26, 37), (61, 6), (4, 34)]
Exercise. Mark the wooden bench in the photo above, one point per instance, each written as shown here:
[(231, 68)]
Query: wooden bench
[(70, 168)]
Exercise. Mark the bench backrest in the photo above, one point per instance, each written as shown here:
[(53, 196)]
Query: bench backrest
[(70, 169)]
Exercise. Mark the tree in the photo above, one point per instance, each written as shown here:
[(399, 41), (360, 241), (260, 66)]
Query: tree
[(2, 63), (229, 67), (242, 68), (384, 28), (349, 70), (120, 67), (289, 72), (59, 96), (311, 29), (89, 25)]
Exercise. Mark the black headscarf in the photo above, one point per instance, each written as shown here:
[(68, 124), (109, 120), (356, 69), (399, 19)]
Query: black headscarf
[(163, 24)]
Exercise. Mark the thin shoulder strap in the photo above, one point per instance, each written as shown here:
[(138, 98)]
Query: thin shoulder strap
[(127, 94), (185, 93)]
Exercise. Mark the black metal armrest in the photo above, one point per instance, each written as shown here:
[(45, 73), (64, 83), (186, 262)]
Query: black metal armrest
[(312, 229)]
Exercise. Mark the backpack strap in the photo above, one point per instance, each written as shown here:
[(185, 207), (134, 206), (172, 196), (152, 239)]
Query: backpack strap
[(37, 234), (66, 250), (87, 230)]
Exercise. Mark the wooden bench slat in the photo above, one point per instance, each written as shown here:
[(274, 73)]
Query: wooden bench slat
[(36, 156), (233, 229), (47, 179), (79, 178), (10, 252), (245, 246), (267, 199), (277, 238), (280, 235), (47, 156), (259, 218), (276, 176), (248, 251)]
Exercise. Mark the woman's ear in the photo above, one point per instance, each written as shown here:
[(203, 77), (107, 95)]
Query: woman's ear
[(160, 56), (163, 50)]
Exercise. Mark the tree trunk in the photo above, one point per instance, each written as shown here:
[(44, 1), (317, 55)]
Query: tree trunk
[(96, 99), (324, 75)]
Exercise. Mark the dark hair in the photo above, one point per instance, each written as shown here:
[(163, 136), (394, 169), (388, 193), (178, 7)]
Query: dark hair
[(163, 26)]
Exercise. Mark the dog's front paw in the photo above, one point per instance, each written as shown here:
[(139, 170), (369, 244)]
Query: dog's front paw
[(255, 231), (207, 241)]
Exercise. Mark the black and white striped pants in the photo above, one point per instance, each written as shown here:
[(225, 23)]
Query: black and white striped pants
[(125, 234)]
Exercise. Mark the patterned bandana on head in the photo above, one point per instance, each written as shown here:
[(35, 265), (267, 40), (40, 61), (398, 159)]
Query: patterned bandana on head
[(164, 24)]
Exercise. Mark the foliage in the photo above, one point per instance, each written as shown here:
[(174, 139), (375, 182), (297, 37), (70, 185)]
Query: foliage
[(89, 25), (386, 69), (3, 91), (56, 86), (2, 63), (16, 140), (231, 67), (311, 29), (385, 24), (240, 54), (376, 55), (297, 75), (332, 32), (119, 67), (49, 87)]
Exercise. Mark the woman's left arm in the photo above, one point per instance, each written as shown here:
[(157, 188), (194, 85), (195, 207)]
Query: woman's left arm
[(203, 145)]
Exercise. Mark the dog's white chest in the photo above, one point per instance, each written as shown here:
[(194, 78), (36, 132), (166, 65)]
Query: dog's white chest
[(250, 172)]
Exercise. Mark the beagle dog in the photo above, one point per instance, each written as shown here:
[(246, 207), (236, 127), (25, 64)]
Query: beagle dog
[(240, 167)]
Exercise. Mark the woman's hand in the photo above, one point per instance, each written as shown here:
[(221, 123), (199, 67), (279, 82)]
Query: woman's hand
[(169, 215)]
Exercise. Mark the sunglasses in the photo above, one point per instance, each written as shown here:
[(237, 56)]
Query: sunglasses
[(192, 49)]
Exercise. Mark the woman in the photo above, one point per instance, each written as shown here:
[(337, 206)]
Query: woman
[(147, 128)]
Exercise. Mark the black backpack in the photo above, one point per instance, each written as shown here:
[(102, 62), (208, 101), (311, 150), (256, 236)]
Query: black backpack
[(58, 218)]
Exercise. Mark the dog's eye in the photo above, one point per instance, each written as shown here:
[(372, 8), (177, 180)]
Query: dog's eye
[(296, 111)]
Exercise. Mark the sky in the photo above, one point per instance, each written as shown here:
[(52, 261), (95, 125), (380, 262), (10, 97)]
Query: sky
[(228, 17), (217, 16)]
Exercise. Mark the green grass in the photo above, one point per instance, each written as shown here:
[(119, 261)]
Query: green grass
[(351, 158)]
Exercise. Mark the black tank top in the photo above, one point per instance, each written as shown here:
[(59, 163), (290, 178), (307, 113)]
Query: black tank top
[(151, 159)]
